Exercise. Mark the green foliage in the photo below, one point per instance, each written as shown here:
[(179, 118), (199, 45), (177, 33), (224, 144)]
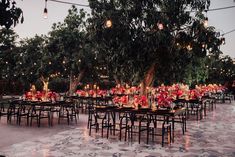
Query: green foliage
[(7, 52), (30, 59), (10, 14), (59, 85), (135, 42), (123, 52), (221, 70), (69, 45)]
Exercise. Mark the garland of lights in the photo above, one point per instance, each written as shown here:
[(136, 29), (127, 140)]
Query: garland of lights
[(160, 26)]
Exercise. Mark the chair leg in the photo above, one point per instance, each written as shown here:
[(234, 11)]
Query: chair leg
[(139, 132), (102, 129), (31, 120), (27, 120), (68, 118), (170, 133), (120, 131), (19, 120), (39, 121), (49, 119), (147, 133), (90, 130), (59, 118), (163, 134)]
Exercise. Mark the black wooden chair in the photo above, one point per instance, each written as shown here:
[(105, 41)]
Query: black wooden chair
[(165, 129), (23, 112), (5, 110), (68, 111), (195, 107)]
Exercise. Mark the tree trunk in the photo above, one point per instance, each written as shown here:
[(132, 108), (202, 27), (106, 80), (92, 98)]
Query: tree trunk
[(45, 82), (73, 83), (116, 79), (148, 79)]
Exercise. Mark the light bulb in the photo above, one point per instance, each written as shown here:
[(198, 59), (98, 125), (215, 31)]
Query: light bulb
[(189, 47), (160, 26), (108, 23), (206, 22), (45, 13)]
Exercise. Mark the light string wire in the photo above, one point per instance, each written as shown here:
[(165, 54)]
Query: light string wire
[(207, 10), (83, 5)]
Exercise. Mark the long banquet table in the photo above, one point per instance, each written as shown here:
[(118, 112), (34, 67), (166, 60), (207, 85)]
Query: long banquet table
[(174, 116)]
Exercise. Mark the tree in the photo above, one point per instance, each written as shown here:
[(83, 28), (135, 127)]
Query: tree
[(7, 52), (30, 59), (8, 59), (69, 44), (148, 36), (221, 70), (10, 14)]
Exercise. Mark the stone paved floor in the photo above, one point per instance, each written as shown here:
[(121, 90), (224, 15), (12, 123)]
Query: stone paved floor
[(213, 136)]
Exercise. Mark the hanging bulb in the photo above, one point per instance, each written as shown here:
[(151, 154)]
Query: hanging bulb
[(223, 40), (108, 23), (45, 13), (189, 47), (205, 22), (160, 26)]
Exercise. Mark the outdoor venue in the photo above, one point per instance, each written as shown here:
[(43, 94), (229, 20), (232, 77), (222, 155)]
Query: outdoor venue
[(133, 78)]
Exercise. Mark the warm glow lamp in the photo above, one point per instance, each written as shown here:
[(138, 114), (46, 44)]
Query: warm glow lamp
[(45, 13), (108, 23), (160, 26), (206, 22)]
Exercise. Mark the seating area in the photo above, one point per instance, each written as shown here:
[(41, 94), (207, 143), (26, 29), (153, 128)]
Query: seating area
[(104, 117), (35, 111), (143, 128), (145, 124)]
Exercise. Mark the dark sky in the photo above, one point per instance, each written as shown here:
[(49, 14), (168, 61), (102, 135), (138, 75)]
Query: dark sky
[(34, 23)]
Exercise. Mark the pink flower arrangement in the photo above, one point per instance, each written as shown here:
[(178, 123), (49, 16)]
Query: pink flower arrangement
[(140, 101), (91, 92), (52, 96), (102, 92), (164, 100), (116, 100), (81, 93), (124, 100)]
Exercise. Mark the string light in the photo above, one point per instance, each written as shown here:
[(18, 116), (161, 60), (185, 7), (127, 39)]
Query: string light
[(160, 26), (87, 6), (222, 40), (205, 22), (108, 23), (81, 5), (45, 13), (189, 47)]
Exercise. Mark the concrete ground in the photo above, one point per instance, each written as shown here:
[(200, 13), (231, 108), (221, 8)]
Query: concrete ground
[(13, 133), (213, 136)]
